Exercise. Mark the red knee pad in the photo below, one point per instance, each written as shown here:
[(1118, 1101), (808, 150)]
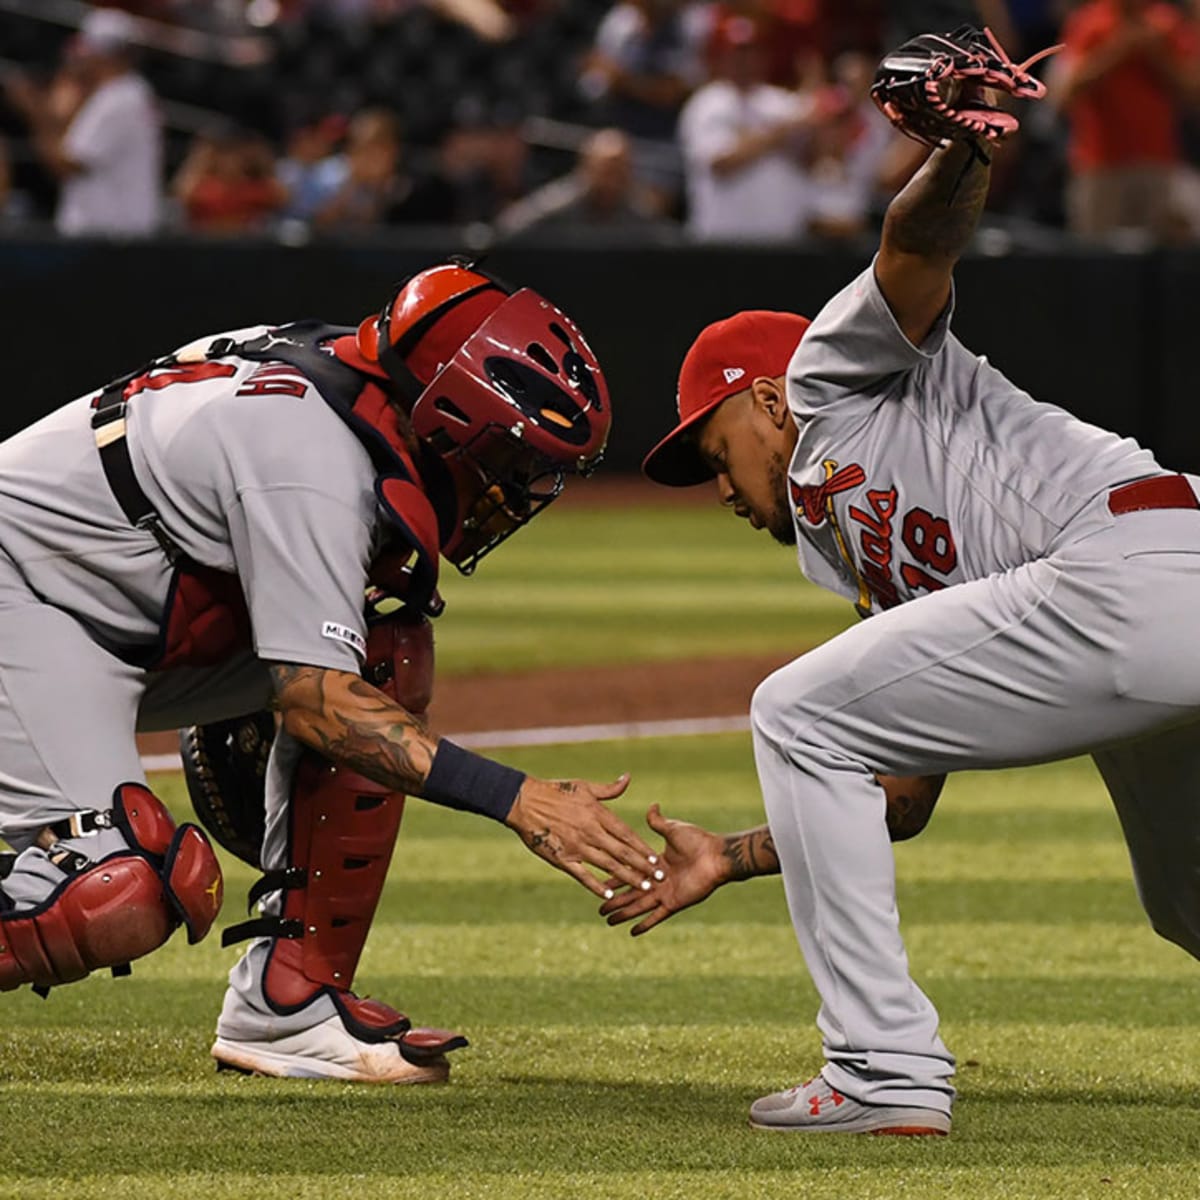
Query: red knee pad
[(188, 868), (120, 908), (105, 916)]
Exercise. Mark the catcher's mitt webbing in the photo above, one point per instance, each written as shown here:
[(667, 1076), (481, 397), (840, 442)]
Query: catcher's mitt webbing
[(931, 88), (225, 765)]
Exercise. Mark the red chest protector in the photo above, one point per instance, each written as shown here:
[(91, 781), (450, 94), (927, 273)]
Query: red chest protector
[(205, 620)]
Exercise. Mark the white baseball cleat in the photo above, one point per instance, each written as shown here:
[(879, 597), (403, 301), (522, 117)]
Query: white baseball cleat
[(330, 1051), (815, 1107)]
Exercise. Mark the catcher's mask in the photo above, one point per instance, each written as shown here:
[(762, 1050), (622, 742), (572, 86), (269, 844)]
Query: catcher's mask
[(501, 386)]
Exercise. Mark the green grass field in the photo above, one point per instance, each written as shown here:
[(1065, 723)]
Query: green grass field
[(607, 1067), (583, 586)]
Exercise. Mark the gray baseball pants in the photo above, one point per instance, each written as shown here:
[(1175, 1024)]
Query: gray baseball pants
[(68, 712), (1093, 649)]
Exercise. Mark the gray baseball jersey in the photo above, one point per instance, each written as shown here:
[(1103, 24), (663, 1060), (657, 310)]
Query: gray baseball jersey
[(917, 468), (1016, 617), (251, 472)]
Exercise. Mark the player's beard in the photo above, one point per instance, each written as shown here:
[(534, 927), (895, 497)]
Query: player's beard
[(779, 522)]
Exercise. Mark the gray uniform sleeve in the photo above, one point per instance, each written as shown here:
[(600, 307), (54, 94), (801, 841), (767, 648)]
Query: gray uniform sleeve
[(855, 350), (302, 558)]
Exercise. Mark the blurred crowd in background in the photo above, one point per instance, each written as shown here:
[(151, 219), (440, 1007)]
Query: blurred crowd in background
[(710, 120)]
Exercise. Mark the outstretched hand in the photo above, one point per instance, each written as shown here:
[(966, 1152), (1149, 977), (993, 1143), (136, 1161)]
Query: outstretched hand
[(566, 823), (694, 863)]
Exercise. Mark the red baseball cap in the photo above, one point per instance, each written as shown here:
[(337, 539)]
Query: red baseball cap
[(725, 359)]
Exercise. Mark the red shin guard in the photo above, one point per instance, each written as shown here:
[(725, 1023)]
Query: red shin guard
[(342, 828)]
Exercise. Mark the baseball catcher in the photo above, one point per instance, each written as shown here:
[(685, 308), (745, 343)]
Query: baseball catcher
[(242, 538)]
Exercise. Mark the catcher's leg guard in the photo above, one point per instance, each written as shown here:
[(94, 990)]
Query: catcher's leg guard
[(109, 911), (341, 829)]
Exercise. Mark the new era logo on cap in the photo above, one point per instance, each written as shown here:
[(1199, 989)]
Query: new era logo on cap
[(763, 341)]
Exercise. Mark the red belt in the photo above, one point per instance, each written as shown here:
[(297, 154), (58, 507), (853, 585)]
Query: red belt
[(1161, 491)]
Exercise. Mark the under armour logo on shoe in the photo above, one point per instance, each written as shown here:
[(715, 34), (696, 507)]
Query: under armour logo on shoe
[(732, 374), (814, 1104)]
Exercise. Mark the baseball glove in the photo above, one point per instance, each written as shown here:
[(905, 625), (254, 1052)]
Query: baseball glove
[(934, 87), (225, 765)]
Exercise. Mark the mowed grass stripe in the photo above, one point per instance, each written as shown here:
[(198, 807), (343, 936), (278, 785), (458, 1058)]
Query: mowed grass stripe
[(652, 582), (1117, 1063), (1038, 902), (501, 860), (405, 953), (918, 1180)]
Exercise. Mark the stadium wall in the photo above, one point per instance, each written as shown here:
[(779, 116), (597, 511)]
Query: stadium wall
[(1108, 336)]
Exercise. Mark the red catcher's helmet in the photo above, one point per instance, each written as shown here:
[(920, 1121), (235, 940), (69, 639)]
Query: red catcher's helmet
[(501, 386)]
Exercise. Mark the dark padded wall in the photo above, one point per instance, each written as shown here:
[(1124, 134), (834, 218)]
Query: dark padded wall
[(1107, 336)]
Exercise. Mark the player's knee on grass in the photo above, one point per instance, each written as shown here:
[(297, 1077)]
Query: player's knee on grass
[(102, 888)]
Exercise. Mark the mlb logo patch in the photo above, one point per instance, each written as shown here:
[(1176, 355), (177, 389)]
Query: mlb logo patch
[(337, 632), (732, 374)]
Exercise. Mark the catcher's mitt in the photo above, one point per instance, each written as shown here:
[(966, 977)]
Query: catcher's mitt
[(933, 88), (225, 764)]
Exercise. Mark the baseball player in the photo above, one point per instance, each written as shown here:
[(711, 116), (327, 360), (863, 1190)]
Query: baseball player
[(194, 541), (1032, 584)]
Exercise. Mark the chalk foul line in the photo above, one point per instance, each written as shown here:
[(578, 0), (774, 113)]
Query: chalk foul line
[(553, 735)]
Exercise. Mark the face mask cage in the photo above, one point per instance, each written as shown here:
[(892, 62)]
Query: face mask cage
[(503, 483)]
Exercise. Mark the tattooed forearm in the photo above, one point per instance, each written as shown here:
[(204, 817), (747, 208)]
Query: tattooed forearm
[(750, 853), (936, 214), (354, 725)]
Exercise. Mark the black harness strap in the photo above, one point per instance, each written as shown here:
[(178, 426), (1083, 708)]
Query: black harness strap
[(268, 927), (108, 428), (285, 879)]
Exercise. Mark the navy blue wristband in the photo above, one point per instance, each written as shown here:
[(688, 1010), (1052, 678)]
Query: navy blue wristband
[(471, 783)]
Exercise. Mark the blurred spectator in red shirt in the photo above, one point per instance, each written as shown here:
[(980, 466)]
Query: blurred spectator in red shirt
[(1130, 69), (794, 35), (227, 183)]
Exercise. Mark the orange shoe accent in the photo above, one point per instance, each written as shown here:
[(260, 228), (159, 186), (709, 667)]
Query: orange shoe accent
[(814, 1105)]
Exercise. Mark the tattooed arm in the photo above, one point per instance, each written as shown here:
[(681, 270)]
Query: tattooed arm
[(927, 227), (353, 724), (698, 862)]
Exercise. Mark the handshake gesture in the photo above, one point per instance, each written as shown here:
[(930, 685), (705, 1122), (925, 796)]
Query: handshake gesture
[(694, 862)]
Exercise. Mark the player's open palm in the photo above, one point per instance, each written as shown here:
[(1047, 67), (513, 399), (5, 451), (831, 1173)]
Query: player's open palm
[(567, 823), (693, 864)]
